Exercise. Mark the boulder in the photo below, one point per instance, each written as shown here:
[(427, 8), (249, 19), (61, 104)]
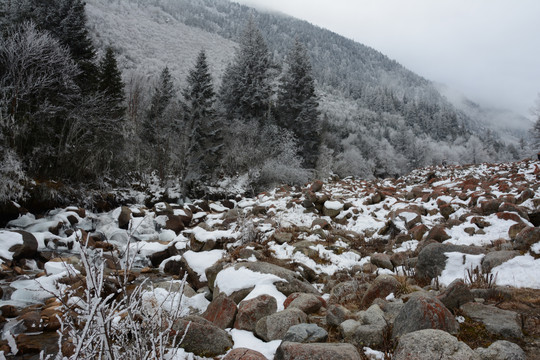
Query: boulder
[(244, 354), (501, 350), (157, 258), (496, 258), (124, 218), (293, 282), (282, 237), (336, 314), (501, 322), (251, 311), (489, 207), (438, 233), (316, 186), (368, 330), (32, 321), (221, 312), (456, 294), (174, 223), (306, 333), (382, 261), (418, 232), (332, 208), (422, 312), (275, 326), (308, 303), (526, 238), (28, 249), (432, 260), (317, 351), (202, 338), (174, 267), (429, 344), (381, 287)]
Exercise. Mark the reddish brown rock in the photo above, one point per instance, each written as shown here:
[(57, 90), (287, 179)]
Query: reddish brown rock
[(381, 287), (509, 216), (446, 210), (382, 261), (527, 237), (418, 232), (32, 321), (308, 303), (438, 233), (317, 185), (489, 207), (174, 223), (424, 313), (244, 354), (221, 312), (124, 218), (251, 311), (9, 311)]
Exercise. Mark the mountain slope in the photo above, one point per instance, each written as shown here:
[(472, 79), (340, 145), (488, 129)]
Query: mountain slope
[(147, 39)]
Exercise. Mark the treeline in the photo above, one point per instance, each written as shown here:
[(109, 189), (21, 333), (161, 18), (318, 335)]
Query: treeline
[(65, 113)]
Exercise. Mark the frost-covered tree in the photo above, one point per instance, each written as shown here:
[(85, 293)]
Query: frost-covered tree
[(245, 90), (298, 105), (66, 21), (38, 94), (159, 128), (111, 84), (200, 131), (164, 93)]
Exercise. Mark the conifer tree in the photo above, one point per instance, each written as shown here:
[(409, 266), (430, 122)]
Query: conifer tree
[(298, 106), (245, 90), (201, 129), (111, 85), (163, 94)]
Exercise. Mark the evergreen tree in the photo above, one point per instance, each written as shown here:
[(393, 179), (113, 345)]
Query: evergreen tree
[(111, 85), (74, 34), (201, 130), (163, 94), (66, 21), (298, 106), (245, 90)]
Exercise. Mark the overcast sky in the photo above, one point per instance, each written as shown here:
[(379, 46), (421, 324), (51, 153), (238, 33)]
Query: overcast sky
[(487, 49)]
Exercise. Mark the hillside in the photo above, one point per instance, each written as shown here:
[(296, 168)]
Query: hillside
[(375, 112), (355, 265)]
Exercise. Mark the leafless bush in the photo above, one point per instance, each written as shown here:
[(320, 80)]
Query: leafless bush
[(109, 317), (477, 278)]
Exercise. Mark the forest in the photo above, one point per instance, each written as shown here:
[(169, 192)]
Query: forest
[(281, 112)]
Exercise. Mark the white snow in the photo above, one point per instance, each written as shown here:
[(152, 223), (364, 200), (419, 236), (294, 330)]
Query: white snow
[(246, 339), (333, 205), (457, 265), (200, 261), (7, 240), (230, 280), (203, 235), (373, 354), (521, 271)]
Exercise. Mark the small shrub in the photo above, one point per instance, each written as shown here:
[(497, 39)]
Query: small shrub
[(477, 278)]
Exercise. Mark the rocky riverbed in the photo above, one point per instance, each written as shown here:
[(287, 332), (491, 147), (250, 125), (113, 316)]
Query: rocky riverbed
[(442, 263)]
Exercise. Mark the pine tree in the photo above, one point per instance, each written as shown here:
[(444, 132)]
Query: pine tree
[(163, 95), (74, 34), (111, 85), (201, 130), (298, 106), (65, 20), (245, 90)]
